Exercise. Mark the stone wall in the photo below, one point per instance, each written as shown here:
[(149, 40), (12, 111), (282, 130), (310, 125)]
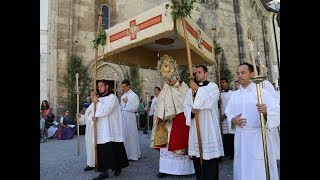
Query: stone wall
[(43, 65), (76, 34)]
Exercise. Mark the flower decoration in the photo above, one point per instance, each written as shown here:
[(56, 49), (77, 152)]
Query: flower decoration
[(167, 67)]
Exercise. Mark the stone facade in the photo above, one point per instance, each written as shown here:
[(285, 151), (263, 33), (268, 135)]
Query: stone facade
[(73, 25), (43, 63)]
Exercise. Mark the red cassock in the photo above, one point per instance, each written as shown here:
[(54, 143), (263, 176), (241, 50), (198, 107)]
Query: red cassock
[(179, 136)]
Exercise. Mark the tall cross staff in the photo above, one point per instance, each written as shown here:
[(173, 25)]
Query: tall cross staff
[(95, 93), (192, 80), (258, 80), (77, 90), (219, 85)]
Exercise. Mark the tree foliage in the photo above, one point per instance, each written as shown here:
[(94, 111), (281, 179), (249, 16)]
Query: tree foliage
[(75, 65), (183, 9), (136, 81), (224, 70), (184, 75)]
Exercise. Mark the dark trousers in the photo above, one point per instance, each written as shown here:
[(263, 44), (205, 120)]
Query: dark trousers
[(112, 155), (145, 128), (209, 170), (228, 145), (150, 122), (143, 120)]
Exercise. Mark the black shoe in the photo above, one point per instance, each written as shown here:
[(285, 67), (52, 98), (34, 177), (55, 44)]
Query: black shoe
[(101, 176), (162, 175), (117, 172), (144, 132), (88, 168)]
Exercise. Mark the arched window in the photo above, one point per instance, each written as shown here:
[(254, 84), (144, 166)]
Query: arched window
[(105, 17)]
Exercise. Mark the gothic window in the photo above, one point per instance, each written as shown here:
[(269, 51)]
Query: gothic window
[(105, 17)]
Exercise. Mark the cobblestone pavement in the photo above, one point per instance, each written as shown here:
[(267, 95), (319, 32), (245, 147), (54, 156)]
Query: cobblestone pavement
[(59, 160)]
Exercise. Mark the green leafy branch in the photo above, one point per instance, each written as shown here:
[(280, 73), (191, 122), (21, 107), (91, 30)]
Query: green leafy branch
[(183, 9), (100, 39), (217, 47)]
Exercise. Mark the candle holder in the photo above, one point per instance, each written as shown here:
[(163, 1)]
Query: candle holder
[(257, 80)]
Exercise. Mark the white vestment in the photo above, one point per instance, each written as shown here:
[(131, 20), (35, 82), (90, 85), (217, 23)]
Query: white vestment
[(224, 101), (130, 130), (206, 101), (109, 123), (153, 106), (89, 135), (170, 103), (248, 147)]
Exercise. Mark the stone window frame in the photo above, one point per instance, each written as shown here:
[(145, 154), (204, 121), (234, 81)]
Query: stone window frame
[(104, 16)]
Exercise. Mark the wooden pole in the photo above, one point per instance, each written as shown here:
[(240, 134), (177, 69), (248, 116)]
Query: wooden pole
[(192, 80), (77, 85), (95, 93), (147, 115), (219, 85)]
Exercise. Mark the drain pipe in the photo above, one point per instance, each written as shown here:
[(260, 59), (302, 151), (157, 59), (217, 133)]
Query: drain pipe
[(266, 49), (275, 39), (236, 6)]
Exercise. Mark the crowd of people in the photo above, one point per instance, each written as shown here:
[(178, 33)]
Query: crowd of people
[(50, 127), (185, 126)]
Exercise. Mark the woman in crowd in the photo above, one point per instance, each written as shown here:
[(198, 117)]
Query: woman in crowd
[(65, 129), (45, 109)]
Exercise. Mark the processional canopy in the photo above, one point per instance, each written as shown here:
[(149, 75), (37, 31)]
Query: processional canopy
[(140, 39)]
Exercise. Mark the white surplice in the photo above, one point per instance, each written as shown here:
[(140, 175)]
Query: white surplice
[(89, 135), (249, 155), (225, 96), (131, 139), (109, 123), (206, 101)]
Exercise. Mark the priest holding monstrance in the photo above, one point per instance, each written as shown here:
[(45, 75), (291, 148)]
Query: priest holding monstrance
[(170, 132)]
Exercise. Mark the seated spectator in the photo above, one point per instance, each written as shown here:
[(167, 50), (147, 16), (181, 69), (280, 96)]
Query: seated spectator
[(65, 129), (42, 124), (50, 127)]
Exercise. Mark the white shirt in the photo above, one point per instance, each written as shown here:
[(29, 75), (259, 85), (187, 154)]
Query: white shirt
[(153, 106)]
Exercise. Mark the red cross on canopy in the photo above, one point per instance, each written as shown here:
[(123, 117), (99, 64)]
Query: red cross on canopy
[(135, 28)]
